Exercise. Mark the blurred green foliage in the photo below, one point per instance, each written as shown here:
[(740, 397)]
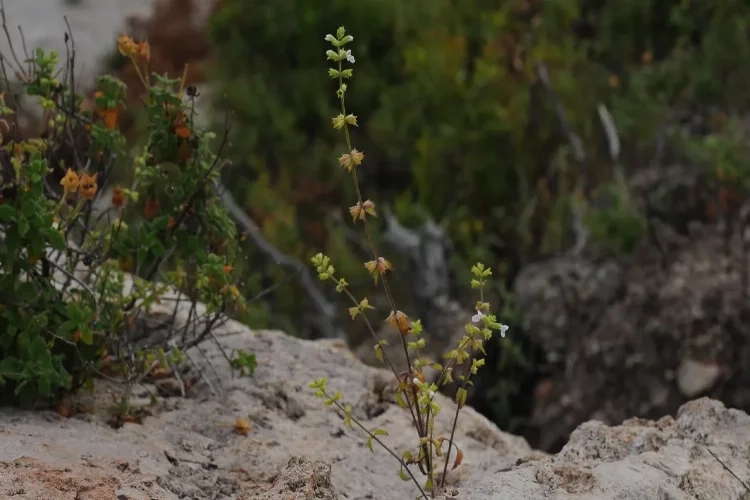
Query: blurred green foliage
[(455, 124)]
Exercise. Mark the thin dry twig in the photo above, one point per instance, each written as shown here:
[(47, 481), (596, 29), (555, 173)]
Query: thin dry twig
[(743, 483), (326, 310)]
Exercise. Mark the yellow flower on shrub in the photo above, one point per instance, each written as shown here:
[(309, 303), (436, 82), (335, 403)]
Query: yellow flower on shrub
[(88, 187), (118, 196), (70, 182), (144, 50), (126, 46)]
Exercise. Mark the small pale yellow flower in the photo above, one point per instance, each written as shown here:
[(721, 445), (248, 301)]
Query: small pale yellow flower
[(361, 210), (357, 157), (378, 267), (345, 160), (338, 121), (351, 160)]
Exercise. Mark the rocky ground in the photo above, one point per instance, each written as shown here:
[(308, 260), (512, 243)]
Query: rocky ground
[(295, 447), (642, 334)]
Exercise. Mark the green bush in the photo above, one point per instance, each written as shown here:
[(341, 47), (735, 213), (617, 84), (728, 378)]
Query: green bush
[(69, 305), (459, 127)]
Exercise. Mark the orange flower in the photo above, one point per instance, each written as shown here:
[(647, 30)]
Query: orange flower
[(171, 223), (126, 46), (76, 336), (180, 126), (400, 321), (88, 187), (228, 269), (70, 182), (118, 197), (110, 118), (144, 50), (151, 209)]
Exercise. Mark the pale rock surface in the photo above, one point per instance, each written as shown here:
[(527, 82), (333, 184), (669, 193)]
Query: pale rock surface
[(94, 25), (188, 448), (695, 377), (667, 459)]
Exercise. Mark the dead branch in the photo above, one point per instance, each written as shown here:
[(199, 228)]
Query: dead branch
[(327, 311)]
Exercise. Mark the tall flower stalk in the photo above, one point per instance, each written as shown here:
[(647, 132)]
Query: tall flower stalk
[(413, 392)]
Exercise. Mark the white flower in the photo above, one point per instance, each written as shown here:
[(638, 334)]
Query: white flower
[(330, 38), (349, 56), (416, 381), (432, 394), (477, 317), (503, 329)]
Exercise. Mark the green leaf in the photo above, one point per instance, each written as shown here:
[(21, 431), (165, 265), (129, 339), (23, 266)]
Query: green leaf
[(403, 475), (29, 208), (160, 222), (40, 320), (12, 239), (400, 400), (11, 367), (23, 226), (8, 338), (25, 292), (87, 336), (369, 444), (38, 350), (7, 213), (44, 387), (54, 238)]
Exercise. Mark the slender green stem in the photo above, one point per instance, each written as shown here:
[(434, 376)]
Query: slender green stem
[(418, 420), (381, 443)]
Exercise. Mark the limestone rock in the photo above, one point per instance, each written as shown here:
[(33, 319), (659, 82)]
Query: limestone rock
[(695, 377), (616, 330), (640, 459), (188, 448)]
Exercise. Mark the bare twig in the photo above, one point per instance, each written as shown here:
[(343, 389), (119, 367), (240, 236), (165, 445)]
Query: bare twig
[(585, 180), (743, 483), (326, 310), (10, 41)]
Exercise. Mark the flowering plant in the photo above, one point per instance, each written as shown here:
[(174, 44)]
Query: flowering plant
[(81, 260), (413, 392)]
